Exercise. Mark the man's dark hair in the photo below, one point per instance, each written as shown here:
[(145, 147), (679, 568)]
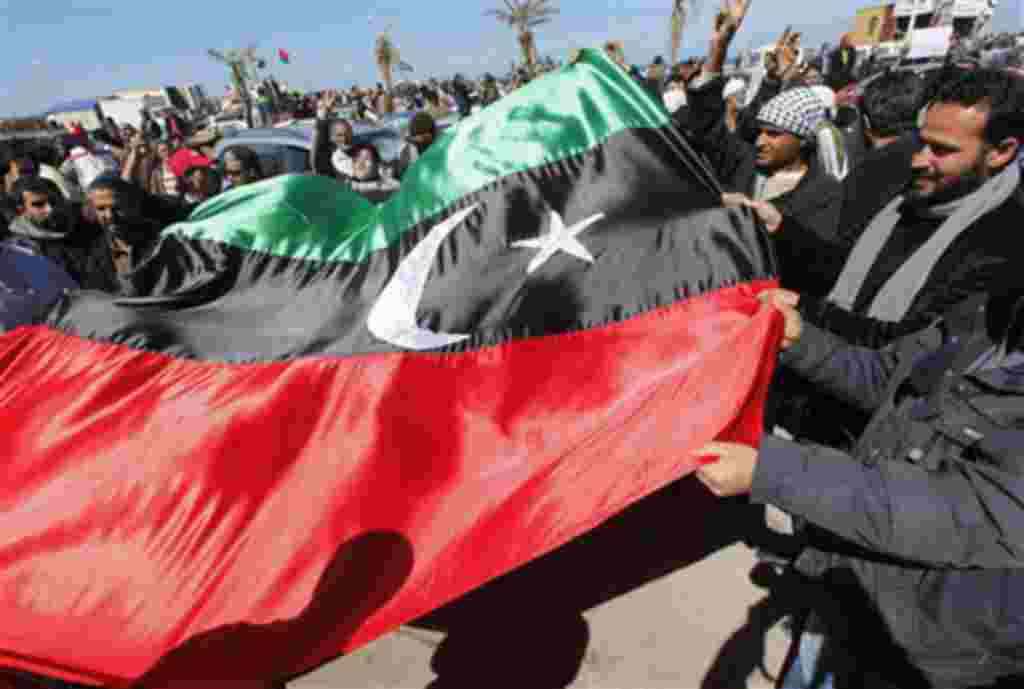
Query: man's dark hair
[(891, 102), (996, 90), (110, 182), (33, 185), (247, 157)]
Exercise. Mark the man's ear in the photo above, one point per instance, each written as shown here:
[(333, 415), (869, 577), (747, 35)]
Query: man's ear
[(1003, 154)]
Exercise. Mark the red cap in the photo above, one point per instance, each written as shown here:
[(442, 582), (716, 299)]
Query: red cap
[(185, 159)]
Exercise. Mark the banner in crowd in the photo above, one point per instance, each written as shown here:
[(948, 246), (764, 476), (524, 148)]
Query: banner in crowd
[(315, 419)]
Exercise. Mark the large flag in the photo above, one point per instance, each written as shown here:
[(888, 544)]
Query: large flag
[(317, 419)]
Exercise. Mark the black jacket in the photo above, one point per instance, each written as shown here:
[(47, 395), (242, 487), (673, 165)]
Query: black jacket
[(792, 403), (811, 211), (842, 68), (978, 257), (323, 149), (96, 264), (921, 527)]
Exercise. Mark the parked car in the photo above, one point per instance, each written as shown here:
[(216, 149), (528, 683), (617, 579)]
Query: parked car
[(286, 150), (228, 124)]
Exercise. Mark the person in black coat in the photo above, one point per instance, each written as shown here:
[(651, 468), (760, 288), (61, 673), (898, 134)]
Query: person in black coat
[(778, 175), (933, 256), (130, 221), (842, 65), (917, 535), (50, 226), (888, 111), (964, 154)]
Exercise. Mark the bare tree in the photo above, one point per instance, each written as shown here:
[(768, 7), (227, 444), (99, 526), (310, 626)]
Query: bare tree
[(524, 16)]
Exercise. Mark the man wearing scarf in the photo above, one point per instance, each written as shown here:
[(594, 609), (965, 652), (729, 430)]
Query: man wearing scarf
[(914, 540), (917, 251), (48, 225), (943, 239)]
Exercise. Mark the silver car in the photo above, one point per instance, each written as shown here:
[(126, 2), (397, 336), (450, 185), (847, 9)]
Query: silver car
[(286, 150)]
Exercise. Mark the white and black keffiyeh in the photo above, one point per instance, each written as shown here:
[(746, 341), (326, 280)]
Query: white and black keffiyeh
[(798, 111)]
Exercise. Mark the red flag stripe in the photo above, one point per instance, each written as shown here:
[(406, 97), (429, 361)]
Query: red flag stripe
[(259, 519)]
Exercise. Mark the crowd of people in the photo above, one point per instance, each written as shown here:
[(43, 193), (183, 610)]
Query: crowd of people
[(890, 197)]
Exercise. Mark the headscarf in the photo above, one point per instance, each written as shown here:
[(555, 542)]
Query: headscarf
[(797, 111), (801, 112)]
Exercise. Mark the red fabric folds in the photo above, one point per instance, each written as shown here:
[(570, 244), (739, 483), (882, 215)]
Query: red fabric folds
[(186, 521)]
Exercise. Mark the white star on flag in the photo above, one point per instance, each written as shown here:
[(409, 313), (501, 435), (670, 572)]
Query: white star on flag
[(558, 238)]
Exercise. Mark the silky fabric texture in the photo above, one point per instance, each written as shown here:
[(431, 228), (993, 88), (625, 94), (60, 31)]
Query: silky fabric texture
[(173, 517), (664, 237), (554, 118)]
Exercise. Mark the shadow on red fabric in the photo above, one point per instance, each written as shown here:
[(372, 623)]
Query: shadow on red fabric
[(365, 574)]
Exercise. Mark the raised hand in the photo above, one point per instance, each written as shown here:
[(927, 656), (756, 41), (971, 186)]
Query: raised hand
[(730, 18), (327, 103), (786, 54)]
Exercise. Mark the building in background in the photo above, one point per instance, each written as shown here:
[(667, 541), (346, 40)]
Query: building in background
[(171, 96), (967, 17), (85, 113), (874, 25), (919, 12)]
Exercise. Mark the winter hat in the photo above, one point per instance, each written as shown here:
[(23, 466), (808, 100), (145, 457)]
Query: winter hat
[(185, 159), (798, 111)]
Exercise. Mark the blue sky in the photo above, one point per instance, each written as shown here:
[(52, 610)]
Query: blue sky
[(62, 49)]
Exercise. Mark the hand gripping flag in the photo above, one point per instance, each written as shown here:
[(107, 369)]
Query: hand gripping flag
[(316, 419)]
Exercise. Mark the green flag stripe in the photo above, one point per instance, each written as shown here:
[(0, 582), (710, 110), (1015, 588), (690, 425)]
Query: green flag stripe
[(556, 117)]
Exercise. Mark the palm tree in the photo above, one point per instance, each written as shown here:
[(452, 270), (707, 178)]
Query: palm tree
[(680, 13), (238, 62), (387, 57), (523, 16)]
